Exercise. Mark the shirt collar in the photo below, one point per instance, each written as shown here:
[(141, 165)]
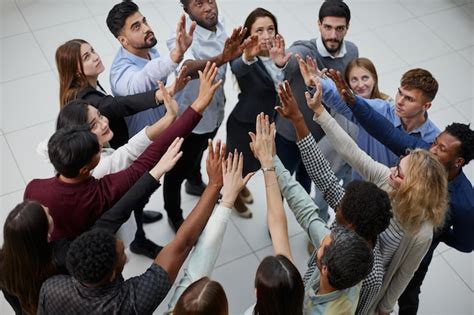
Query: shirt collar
[(205, 33), (422, 130), (100, 291), (139, 60), (323, 298), (324, 52)]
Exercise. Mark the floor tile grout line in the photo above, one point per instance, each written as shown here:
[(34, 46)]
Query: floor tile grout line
[(16, 162), (6, 133), (233, 260), (436, 32), (27, 76), (11, 192), (241, 234), (33, 35), (433, 12), (455, 271)]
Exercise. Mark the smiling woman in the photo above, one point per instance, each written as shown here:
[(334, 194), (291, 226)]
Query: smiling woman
[(79, 67), (363, 79)]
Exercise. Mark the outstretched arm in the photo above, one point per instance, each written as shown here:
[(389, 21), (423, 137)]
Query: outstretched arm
[(359, 160), (206, 251), (140, 193), (173, 255), (383, 130), (263, 146), (233, 47), (317, 166)]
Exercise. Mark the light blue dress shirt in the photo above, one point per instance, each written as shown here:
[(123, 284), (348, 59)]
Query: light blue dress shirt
[(380, 153), (131, 74), (206, 44)]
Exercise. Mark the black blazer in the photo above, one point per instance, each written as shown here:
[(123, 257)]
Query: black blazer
[(257, 91), (118, 107)]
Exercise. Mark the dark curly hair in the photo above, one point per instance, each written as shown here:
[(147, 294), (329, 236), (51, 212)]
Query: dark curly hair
[(91, 257), (118, 14), (367, 207), (464, 134), (348, 257)]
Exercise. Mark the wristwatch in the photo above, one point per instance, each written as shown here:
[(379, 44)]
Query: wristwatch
[(268, 169)]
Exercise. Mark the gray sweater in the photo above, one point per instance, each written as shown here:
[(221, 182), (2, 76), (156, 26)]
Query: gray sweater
[(293, 75)]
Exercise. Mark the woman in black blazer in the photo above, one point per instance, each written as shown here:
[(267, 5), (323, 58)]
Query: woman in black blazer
[(79, 66), (258, 73)]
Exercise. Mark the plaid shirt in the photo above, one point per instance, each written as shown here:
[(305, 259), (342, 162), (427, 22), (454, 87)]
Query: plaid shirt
[(138, 295), (326, 181)]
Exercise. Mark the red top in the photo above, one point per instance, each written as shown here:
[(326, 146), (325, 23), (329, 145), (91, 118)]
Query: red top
[(75, 207)]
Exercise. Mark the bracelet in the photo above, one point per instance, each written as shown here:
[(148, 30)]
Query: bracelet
[(268, 169)]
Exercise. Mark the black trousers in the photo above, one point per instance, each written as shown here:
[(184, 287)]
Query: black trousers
[(188, 167), (409, 300)]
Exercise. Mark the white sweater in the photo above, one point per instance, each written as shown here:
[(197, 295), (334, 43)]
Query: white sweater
[(111, 161)]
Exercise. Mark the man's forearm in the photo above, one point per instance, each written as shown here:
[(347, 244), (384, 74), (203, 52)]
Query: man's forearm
[(197, 219), (300, 127), (193, 66)]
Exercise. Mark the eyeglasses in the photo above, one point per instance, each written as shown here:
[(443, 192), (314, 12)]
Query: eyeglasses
[(338, 29), (397, 168)]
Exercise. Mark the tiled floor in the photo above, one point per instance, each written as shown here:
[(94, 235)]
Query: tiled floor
[(396, 35)]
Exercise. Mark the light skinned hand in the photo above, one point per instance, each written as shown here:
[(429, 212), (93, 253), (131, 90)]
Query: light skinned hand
[(314, 102), (183, 39), (252, 48), (263, 142), (215, 157), (342, 87), (170, 103), (180, 81), (169, 159), (207, 86), (232, 174), (308, 69), (277, 51), (289, 108)]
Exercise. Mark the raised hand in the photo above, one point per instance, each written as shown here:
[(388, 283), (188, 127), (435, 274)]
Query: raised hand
[(277, 51), (232, 176), (169, 159), (207, 87), (263, 143), (314, 102), (309, 69), (252, 48), (343, 88), (234, 45), (183, 40), (170, 103), (215, 158), (180, 81), (289, 108)]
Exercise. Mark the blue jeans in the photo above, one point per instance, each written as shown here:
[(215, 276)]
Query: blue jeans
[(290, 156)]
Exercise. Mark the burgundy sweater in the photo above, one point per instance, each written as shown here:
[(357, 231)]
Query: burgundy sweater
[(75, 207)]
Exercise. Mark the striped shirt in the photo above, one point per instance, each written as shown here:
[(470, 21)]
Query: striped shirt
[(390, 241)]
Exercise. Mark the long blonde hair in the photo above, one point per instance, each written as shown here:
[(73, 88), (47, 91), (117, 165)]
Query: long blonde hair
[(423, 193)]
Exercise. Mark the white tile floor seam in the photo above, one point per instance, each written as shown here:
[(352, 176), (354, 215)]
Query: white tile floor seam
[(36, 27), (454, 269)]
